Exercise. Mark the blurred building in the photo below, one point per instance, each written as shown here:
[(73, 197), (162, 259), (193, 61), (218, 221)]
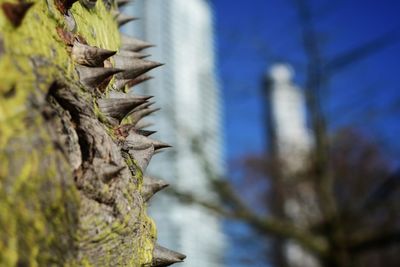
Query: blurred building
[(291, 143), (288, 135), (187, 91)]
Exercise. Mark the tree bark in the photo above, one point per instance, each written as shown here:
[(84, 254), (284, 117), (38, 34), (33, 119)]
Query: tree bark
[(60, 205)]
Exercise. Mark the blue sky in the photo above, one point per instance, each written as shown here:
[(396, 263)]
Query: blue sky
[(252, 34)]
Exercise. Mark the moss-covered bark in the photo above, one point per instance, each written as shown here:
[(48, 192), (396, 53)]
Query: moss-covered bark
[(57, 208)]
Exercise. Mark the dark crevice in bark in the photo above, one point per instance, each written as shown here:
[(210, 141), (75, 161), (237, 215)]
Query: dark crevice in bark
[(96, 147), (70, 103), (84, 145)]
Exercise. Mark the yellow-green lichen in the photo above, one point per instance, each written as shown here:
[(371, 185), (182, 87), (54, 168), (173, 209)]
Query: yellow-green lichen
[(146, 248)]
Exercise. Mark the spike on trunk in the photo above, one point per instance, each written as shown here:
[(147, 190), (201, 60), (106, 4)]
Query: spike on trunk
[(15, 12), (123, 19), (124, 130), (151, 186), (137, 141), (136, 116), (90, 55), (138, 80), (94, 77), (116, 109), (165, 257), (144, 106), (127, 53), (121, 3), (142, 156), (119, 84), (133, 44), (114, 94), (145, 132), (133, 67)]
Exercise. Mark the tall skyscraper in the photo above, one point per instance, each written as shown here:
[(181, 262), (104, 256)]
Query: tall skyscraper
[(291, 143), (187, 91), (291, 137)]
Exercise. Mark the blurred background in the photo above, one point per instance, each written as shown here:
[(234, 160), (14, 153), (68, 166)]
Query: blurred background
[(285, 121)]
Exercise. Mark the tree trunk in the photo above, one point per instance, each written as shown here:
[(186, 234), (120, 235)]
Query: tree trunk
[(70, 185)]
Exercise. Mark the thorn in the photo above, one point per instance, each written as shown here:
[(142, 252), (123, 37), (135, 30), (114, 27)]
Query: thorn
[(165, 257), (140, 114), (160, 145), (137, 142), (142, 156), (114, 94), (127, 53), (145, 132), (151, 186), (15, 13), (121, 83), (94, 77), (144, 106), (109, 171), (125, 129), (123, 19), (129, 62), (139, 80), (121, 3), (89, 4), (133, 67), (139, 108), (90, 55), (118, 108), (133, 44)]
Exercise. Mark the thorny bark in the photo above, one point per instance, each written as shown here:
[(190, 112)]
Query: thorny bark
[(71, 186)]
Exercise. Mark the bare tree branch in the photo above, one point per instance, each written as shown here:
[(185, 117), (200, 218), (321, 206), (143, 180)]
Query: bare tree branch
[(266, 225), (374, 239), (361, 52)]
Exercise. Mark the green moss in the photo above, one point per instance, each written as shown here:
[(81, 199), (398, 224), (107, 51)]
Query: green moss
[(146, 248), (102, 30), (32, 201)]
